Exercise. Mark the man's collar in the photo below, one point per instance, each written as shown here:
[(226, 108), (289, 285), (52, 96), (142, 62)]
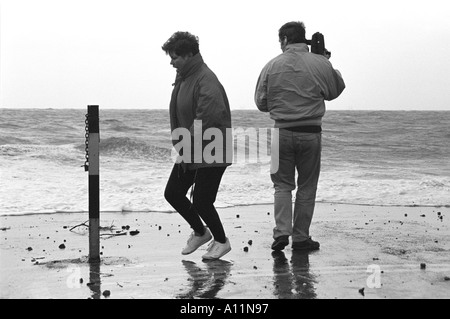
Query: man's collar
[(297, 47)]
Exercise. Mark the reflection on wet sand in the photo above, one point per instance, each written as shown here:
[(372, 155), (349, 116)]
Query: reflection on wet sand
[(94, 280), (205, 283), (293, 280)]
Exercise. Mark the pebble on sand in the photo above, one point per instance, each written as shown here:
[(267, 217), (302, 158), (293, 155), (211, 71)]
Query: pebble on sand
[(361, 291)]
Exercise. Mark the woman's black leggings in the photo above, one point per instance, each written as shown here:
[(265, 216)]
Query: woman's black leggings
[(206, 183)]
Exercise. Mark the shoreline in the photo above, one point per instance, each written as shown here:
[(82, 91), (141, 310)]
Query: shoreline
[(220, 208), (378, 248)]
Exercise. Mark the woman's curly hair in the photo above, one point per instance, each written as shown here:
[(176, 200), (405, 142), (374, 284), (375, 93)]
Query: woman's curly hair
[(182, 43)]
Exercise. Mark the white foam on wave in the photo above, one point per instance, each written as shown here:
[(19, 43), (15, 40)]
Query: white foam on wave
[(41, 168), (39, 187)]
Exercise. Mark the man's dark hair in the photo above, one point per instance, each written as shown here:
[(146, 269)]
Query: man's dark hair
[(182, 43), (294, 31)]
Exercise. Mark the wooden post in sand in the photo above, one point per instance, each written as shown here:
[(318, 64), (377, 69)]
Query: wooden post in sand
[(94, 183)]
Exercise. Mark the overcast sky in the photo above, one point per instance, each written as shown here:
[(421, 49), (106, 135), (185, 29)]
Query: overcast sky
[(393, 54)]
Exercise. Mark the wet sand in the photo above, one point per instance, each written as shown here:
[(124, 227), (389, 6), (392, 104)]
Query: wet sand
[(366, 252)]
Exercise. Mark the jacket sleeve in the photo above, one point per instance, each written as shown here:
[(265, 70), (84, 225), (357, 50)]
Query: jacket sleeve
[(334, 85), (211, 104), (337, 86), (261, 91)]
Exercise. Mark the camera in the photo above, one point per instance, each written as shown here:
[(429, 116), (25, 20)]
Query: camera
[(317, 44)]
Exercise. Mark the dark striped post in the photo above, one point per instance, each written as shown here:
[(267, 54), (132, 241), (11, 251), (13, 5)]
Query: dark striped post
[(94, 183)]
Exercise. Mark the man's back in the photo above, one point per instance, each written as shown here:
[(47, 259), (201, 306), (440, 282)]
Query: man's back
[(294, 85)]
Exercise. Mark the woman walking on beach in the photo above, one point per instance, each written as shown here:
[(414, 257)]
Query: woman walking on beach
[(198, 103)]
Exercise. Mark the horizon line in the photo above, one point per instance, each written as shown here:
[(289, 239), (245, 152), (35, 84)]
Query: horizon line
[(236, 109)]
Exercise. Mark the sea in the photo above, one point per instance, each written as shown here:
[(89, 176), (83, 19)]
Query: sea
[(388, 158)]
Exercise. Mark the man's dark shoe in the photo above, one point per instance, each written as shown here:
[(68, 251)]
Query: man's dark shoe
[(280, 243), (306, 245)]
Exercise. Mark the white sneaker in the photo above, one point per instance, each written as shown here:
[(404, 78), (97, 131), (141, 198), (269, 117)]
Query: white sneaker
[(194, 242), (216, 250)]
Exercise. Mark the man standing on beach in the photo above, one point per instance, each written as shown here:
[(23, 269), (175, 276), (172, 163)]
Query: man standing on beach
[(199, 104), (293, 87)]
